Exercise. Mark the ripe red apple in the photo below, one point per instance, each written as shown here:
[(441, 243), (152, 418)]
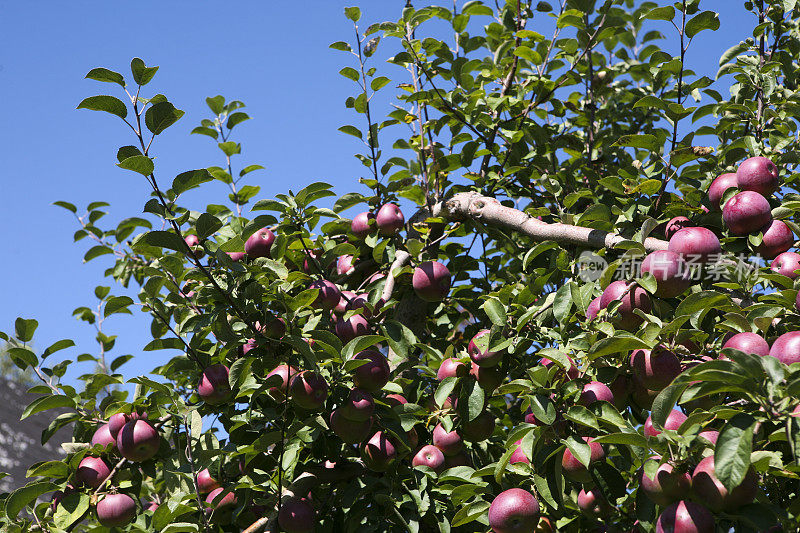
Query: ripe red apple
[(152, 505), (430, 456), (574, 469), (251, 344), (787, 264), (358, 406), (259, 243), (92, 471), (797, 302), (451, 367), (641, 395), (670, 270), (710, 490), (514, 511), (632, 297), (709, 436), (297, 516), (747, 212), (667, 484), (379, 452), (685, 517), (718, 187), (191, 240), (116, 510), (593, 309), (328, 296), (431, 281), (449, 442), (308, 261), (138, 441), (308, 390), (374, 375), (389, 219), (748, 342), (344, 299), (695, 244), (350, 431), (206, 483), (594, 391), (572, 371), (223, 508), (778, 238), (115, 423), (479, 429), (786, 348), (674, 421), (236, 256), (488, 378), (395, 399), (214, 387), (348, 329), (518, 455), (280, 376), (361, 225), (592, 503), (758, 174), (479, 350), (103, 437), (344, 265), (675, 224), (657, 368)]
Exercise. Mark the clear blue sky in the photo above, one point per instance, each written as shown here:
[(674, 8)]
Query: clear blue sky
[(274, 56)]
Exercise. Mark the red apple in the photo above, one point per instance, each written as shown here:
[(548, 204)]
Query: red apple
[(344, 265), (280, 376), (344, 299), (358, 406), (450, 368), (675, 224), (395, 399), (778, 238), (92, 471), (103, 437), (758, 174), (348, 329), (710, 490), (685, 517), (374, 375), (115, 423), (592, 503), (488, 378), (206, 483), (748, 342), (448, 441), (574, 469), (667, 484), (379, 452), (389, 219), (479, 429), (259, 243), (674, 421), (429, 456), (236, 256), (786, 348), (747, 212), (308, 390), (328, 296), (431, 281), (718, 187), (657, 368), (514, 511), (116, 510), (191, 240), (709, 436), (214, 388), (787, 264), (297, 515), (670, 270), (478, 350), (518, 455), (632, 297), (224, 507), (594, 391), (593, 309), (138, 441), (350, 431), (695, 244), (361, 225)]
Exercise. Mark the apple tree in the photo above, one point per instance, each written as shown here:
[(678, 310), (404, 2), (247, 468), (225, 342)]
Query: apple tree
[(563, 296)]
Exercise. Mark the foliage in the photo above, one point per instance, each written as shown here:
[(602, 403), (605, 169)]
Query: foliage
[(594, 126)]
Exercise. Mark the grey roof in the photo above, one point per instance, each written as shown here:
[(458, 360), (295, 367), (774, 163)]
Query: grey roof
[(20, 441)]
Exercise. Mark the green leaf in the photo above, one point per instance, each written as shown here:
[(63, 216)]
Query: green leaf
[(207, 224), (142, 74), (26, 495), (351, 130), (249, 168), (379, 82), (58, 345), (25, 328), (350, 72), (236, 118), (645, 141), (118, 304), (66, 205), (71, 509), (240, 369), (216, 104), (190, 179), (476, 401), (340, 45), (162, 239), (444, 390), (562, 305), (230, 148), (580, 450), (360, 344), (138, 163), (665, 401), (201, 130), (707, 20), (161, 116), (353, 13), (54, 469), (103, 74), (495, 310), (733, 448), (660, 13), (109, 104), (616, 344), (47, 402), (400, 338)]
